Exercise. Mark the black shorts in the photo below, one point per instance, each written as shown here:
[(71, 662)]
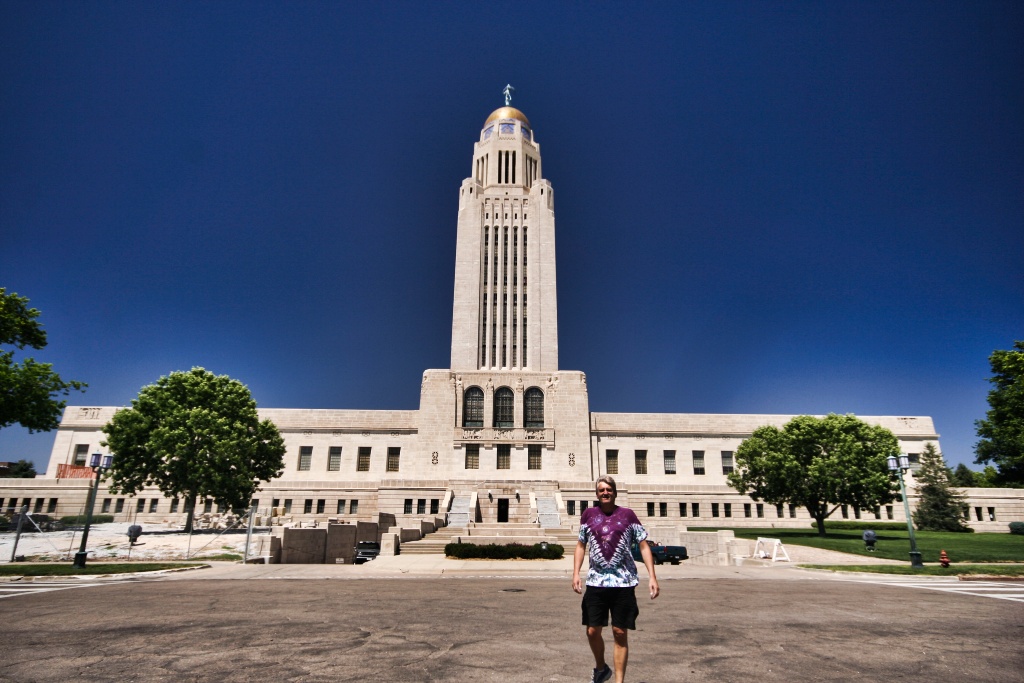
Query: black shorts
[(621, 602)]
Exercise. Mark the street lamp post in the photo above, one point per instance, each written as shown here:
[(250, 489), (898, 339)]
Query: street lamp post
[(899, 467), (99, 464)]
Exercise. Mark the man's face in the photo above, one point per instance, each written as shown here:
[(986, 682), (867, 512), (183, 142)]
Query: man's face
[(605, 493)]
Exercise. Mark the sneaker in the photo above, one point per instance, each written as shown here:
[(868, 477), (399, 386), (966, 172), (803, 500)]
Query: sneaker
[(601, 675)]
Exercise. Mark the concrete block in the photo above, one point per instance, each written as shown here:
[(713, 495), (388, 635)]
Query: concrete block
[(408, 535), (367, 531), (341, 544), (389, 544), (426, 527), (304, 546)]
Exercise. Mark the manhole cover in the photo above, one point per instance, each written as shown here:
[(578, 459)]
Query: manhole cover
[(513, 590)]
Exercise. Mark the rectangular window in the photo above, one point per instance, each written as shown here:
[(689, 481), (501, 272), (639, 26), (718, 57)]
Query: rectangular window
[(682, 509), (52, 507), (570, 508), (435, 505), (504, 456), (353, 507), (698, 462), (472, 456), (305, 458), (845, 510), (119, 505), (991, 514), (174, 505), (650, 509), (341, 506), (153, 503), (714, 509), (287, 506), (394, 452), (856, 512), (334, 459), (746, 510), (878, 513), (728, 509), (888, 511), (792, 511), (727, 466), (760, 510), (39, 505), (663, 509), (612, 461), (977, 513), (641, 461), (421, 506), (307, 506), (276, 503), (670, 462), (140, 505), (106, 505), (321, 505), (363, 460), (533, 458), (81, 453), (221, 507), (407, 510), (583, 506), (695, 509), (778, 511)]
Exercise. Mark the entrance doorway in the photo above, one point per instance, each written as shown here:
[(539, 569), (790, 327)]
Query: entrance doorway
[(502, 510)]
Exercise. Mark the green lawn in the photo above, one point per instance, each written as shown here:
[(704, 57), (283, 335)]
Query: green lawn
[(67, 569), (895, 545)]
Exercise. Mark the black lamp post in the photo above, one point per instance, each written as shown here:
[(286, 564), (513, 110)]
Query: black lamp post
[(99, 464), (899, 467)]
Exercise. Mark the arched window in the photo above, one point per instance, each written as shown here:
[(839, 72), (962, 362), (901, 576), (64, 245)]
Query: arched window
[(534, 408), (473, 407), (504, 408)]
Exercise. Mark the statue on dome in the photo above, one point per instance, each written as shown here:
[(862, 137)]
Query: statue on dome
[(508, 94)]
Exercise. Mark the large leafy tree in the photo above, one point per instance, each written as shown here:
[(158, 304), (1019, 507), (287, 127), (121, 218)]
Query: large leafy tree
[(23, 469), (1002, 430), (939, 507), (818, 463), (29, 391), (194, 435)]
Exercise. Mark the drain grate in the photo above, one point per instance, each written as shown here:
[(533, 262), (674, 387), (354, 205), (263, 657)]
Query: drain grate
[(513, 590)]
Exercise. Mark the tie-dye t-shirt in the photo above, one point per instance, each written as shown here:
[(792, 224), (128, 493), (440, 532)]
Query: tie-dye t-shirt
[(608, 539)]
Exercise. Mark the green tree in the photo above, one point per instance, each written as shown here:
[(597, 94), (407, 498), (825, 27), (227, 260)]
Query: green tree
[(194, 435), (939, 506), (29, 390), (23, 469), (818, 463), (1002, 430), (964, 477)]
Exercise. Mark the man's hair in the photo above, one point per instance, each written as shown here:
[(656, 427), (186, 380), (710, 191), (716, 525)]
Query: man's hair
[(606, 479)]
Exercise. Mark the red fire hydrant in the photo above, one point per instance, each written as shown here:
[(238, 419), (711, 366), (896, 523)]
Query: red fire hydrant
[(944, 559)]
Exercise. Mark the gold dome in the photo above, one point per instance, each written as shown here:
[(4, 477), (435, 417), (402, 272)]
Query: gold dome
[(508, 113)]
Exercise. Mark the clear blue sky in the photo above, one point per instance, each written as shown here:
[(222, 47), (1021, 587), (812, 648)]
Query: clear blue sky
[(762, 207)]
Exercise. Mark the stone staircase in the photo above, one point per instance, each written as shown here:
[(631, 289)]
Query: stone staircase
[(547, 512), (459, 513)]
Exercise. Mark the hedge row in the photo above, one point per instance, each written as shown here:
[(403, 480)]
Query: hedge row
[(80, 519), (1017, 527), (511, 551)]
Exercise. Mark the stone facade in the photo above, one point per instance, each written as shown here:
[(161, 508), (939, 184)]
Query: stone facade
[(504, 436)]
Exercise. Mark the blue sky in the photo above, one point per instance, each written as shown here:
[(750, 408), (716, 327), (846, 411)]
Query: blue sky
[(761, 207)]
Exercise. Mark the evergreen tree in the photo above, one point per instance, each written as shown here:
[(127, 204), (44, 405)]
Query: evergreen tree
[(963, 476), (940, 507)]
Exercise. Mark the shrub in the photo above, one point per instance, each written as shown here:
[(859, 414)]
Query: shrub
[(511, 551), (1017, 528), (80, 519)]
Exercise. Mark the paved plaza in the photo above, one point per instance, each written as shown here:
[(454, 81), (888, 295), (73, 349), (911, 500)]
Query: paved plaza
[(410, 621)]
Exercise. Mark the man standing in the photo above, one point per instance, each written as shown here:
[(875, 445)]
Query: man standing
[(607, 534)]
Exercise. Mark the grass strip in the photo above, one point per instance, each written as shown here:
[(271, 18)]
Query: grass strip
[(928, 570), (28, 569)]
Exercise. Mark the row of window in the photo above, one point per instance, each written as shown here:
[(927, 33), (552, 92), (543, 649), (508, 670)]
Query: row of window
[(321, 506), (503, 409), (421, 506), (12, 505), (669, 459), (503, 457), (362, 458)]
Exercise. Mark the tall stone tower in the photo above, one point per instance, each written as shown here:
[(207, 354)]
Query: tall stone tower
[(505, 315), (504, 410)]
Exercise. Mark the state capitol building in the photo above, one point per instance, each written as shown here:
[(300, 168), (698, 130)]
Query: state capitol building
[(504, 435)]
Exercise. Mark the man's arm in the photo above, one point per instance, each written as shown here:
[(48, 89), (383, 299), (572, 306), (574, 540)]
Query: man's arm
[(645, 553), (577, 562)]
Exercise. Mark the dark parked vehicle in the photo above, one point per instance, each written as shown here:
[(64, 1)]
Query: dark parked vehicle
[(366, 551), (673, 554)]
